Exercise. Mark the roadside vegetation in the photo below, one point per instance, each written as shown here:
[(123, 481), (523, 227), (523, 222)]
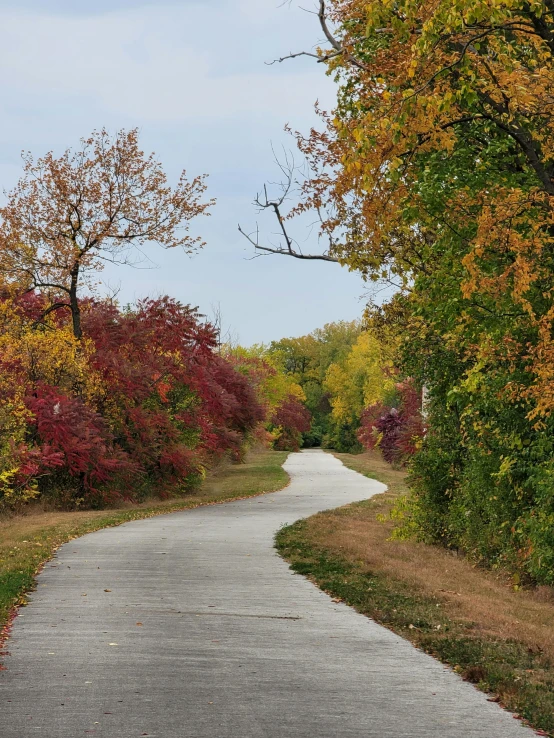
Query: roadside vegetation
[(494, 634), (433, 177), (28, 540), (102, 404)]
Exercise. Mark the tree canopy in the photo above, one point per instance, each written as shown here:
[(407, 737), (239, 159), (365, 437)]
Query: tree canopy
[(105, 202), (435, 173)]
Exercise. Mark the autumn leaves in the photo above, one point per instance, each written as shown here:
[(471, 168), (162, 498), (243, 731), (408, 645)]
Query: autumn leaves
[(437, 170), (99, 403)]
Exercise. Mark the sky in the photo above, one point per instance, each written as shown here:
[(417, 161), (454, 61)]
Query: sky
[(193, 77)]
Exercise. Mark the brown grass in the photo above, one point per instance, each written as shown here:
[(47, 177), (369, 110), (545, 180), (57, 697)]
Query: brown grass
[(222, 483), (485, 600)]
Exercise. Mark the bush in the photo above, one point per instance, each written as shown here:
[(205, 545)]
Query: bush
[(397, 431), (142, 403), (289, 421)]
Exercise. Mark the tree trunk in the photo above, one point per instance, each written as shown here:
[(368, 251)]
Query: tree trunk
[(74, 302)]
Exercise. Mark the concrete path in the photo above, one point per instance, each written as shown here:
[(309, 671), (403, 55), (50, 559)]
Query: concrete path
[(190, 626)]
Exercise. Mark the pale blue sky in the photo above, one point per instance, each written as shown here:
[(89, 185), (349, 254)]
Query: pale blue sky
[(191, 76)]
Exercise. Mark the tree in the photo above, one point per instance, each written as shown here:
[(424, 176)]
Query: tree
[(289, 421), (396, 430), (361, 379), (307, 360), (439, 169), (436, 172), (103, 203)]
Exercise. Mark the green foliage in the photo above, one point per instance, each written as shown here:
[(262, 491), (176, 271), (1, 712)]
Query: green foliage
[(307, 360), (483, 478), (341, 369), (438, 162), (342, 436)]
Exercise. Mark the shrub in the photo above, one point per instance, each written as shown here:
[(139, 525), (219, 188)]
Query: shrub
[(397, 431), (289, 421)]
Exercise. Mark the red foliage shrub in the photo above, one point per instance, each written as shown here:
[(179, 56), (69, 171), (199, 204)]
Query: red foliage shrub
[(160, 402), (159, 365), (74, 436), (291, 419), (396, 431), (228, 397)]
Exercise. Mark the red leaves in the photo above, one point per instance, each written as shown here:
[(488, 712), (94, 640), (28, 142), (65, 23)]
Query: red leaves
[(291, 418), (148, 399), (292, 414), (73, 435), (158, 361), (228, 395), (396, 431)]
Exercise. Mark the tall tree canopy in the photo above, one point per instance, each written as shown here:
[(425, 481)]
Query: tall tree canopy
[(436, 173)]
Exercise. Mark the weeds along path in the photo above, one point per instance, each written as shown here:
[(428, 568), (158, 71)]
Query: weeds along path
[(190, 626)]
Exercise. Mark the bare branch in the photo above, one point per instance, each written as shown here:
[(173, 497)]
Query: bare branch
[(287, 252), (338, 49), (322, 15), (320, 57), (264, 202), (56, 306)]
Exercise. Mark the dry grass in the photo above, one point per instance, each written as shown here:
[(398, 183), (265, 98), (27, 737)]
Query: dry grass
[(484, 599), (224, 482), (470, 618)]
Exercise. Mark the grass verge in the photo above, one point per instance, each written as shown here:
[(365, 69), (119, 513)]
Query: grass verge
[(500, 639), (28, 541)]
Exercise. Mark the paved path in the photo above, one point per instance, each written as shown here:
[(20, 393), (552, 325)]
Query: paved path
[(205, 633)]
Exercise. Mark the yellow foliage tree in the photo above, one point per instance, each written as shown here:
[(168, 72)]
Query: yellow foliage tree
[(362, 379)]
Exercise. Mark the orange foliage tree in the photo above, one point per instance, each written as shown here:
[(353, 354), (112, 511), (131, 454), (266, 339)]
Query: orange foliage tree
[(435, 172), (70, 215)]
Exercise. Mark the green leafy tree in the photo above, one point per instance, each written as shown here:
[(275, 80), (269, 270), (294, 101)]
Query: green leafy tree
[(436, 170)]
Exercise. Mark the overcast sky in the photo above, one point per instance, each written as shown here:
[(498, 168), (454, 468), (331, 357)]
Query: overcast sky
[(192, 76)]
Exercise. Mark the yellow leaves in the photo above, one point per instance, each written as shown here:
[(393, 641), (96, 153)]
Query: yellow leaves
[(362, 379), (11, 493), (274, 384), (395, 163), (474, 377), (9, 490), (47, 353), (504, 470), (519, 248)]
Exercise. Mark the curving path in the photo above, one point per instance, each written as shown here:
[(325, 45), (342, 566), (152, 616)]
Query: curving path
[(205, 633)]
